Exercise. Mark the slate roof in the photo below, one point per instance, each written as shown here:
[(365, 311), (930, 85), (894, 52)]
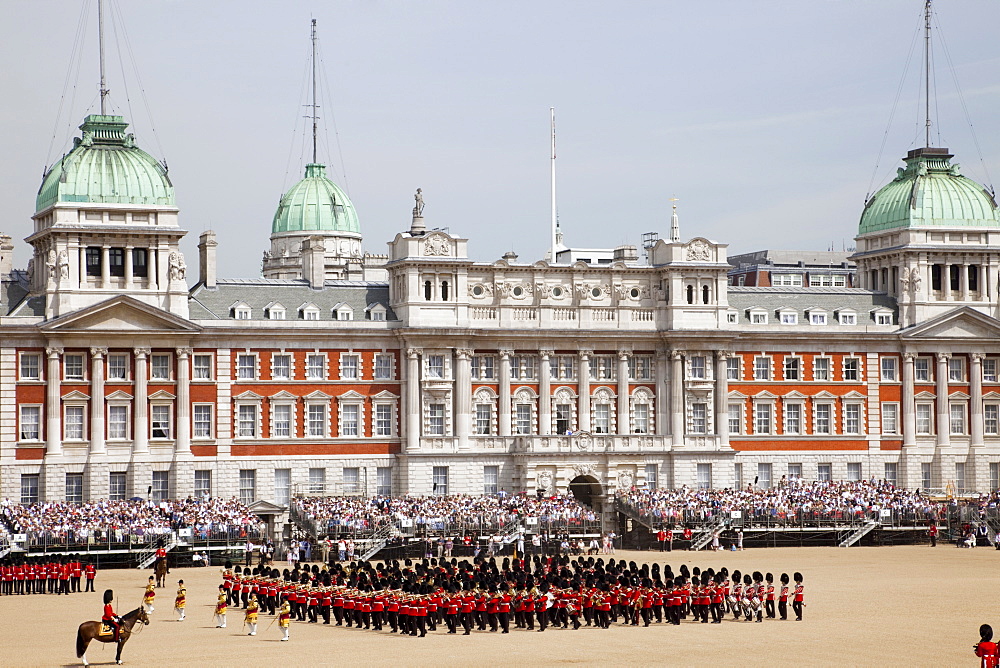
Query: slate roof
[(258, 293), (799, 299), (13, 290)]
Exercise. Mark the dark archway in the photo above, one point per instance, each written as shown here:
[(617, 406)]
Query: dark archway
[(587, 491)]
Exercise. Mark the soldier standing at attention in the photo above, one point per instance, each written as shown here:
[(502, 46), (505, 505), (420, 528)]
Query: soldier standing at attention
[(91, 574), (149, 595), (180, 600), (284, 617)]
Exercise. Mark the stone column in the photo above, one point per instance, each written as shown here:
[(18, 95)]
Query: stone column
[(662, 394), (909, 401), (946, 282), (183, 442), (413, 411), (503, 409), (722, 398), (53, 403), (152, 268), (105, 267), (97, 443), (624, 423), (677, 398), (128, 267), (976, 400), (545, 394), (583, 388), (943, 413), (463, 396), (140, 405), (963, 281)]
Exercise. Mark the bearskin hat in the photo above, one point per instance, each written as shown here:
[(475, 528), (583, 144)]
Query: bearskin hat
[(758, 576), (736, 576), (747, 580), (797, 576), (986, 632), (769, 578), (784, 578), (696, 581), (696, 571), (108, 596)]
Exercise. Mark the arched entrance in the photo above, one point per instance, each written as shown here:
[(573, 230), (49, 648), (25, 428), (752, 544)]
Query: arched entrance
[(587, 491)]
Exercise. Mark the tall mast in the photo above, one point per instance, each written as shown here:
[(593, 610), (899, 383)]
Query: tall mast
[(927, 73), (100, 41), (314, 87), (552, 119)]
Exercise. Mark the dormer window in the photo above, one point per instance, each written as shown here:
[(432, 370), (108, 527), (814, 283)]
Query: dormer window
[(788, 317), (757, 315), (375, 312), (343, 312), (309, 311), (240, 311), (817, 316), (274, 311), (847, 317)]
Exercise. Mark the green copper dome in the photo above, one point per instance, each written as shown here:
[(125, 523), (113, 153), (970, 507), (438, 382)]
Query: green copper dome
[(106, 167), (929, 192), (315, 204)]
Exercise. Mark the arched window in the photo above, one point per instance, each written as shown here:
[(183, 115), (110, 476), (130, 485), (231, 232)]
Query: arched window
[(704, 294), (690, 294), (444, 291), (427, 290)]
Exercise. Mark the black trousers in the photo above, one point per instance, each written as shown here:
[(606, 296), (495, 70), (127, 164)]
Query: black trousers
[(797, 608), (769, 605), (543, 619), (783, 609)]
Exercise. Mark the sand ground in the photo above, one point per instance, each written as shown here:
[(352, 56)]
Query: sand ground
[(887, 606)]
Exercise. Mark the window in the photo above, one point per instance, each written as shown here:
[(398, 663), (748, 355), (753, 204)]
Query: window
[(793, 418), (925, 475), (852, 418), (317, 482), (732, 318), (991, 420), (792, 368), (248, 486), (789, 318), (246, 367), (118, 422), (116, 261), (795, 471), (822, 422), (758, 318), (491, 480), (31, 367), (735, 418), (922, 369), (427, 291), (281, 420), (890, 418), (522, 367), (640, 418), (74, 488), (824, 472), (852, 368), (435, 366), (117, 487), (313, 314), (854, 471), (883, 318), (277, 312), (891, 473), (698, 367), (350, 420), (383, 419), (786, 279), (762, 418), (73, 367), (202, 367), (350, 366), (924, 418), (316, 366), (564, 419), (956, 369), (242, 312), (159, 421), (827, 280), (602, 367), (161, 485), (435, 420), (821, 368), (763, 475), (202, 420), (699, 418), (73, 426), (733, 368), (960, 477), (282, 486), (483, 367), (563, 367), (246, 421), (202, 484), (762, 368), (640, 367), (439, 480), (848, 319), (652, 475), (117, 366), (522, 419), (31, 421), (29, 488), (994, 475), (316, 420), (817, 318), (159, 367), (956, 414), (602, 418), (94, 261), (140, 260), (383, 367), (704, 476), (281, 367), (889, 368), (383, 481)]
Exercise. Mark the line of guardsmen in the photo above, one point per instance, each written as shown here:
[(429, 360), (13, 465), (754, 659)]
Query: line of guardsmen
[(51, 574), (416, 597)]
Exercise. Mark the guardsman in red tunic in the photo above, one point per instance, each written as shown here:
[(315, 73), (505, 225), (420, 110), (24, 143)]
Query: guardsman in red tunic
[(797, 602), (91, 570), (783, 597), (77, 574), (109, 617), (986, 649), (769, 596), (65, 571)]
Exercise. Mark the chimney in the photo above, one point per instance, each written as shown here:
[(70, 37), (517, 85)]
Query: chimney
[(314, 262), (206, 258), (6, 254)]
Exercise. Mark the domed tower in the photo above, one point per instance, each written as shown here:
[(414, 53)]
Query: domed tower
[(317, 211), (106, 224), (931, 239)]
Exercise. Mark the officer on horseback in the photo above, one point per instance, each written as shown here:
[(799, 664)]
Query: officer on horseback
[(109, 617), (161, 556)]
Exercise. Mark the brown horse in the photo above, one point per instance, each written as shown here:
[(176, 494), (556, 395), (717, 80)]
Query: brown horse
[(89, 631), (160, 571)]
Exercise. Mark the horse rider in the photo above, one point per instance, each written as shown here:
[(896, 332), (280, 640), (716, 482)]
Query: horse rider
[(161, 555), (109, 617)]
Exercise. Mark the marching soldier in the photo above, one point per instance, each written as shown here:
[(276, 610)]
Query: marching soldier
[(220, 608), (149, 595), (284, 617), (797, 601), (250, 616), (180, 600)]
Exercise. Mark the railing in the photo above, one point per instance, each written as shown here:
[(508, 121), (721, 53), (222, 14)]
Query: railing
[(483, 313), (603, 314), (858, 534), (563, 314), (642, 315), (122, 541), (524, 314), (709, 531)]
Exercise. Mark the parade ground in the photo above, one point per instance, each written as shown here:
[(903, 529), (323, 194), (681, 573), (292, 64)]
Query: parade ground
[(888, 606)]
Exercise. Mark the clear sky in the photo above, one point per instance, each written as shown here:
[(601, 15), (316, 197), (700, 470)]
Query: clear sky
[(764, 117)]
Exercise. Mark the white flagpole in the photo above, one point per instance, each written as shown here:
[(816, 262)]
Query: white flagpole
[(552, 253)]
